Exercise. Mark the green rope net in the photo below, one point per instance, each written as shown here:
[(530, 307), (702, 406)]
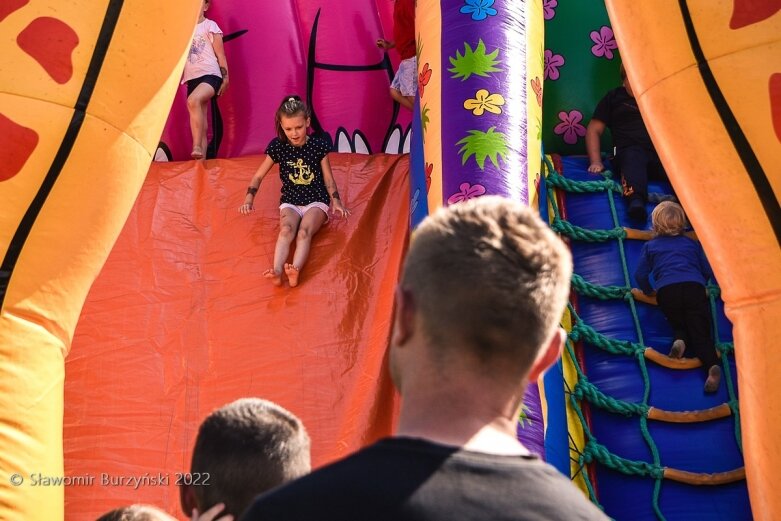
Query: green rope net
[(580, 331)]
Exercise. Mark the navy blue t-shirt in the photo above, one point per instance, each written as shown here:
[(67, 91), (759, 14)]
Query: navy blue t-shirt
[(671, 259), (300, 171), (619, 111)]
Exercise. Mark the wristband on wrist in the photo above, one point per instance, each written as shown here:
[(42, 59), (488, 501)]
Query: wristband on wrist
[(252, 191)]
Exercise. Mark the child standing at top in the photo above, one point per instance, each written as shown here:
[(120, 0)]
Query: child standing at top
[(206, 75), (308, 187), (680, 271), (405, 83)]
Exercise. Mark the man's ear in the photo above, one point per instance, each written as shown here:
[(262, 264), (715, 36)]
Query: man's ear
[(549, 354), (404, 318), (187, 499)]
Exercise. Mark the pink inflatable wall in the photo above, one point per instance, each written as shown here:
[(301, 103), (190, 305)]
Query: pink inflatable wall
[(323, 51)]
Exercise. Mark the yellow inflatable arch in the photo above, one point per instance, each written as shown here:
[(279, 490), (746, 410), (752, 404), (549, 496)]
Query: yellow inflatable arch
[(85, 88), (707, 76)]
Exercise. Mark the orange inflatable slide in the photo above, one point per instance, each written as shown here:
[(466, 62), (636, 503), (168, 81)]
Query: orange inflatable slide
[(181, 321)]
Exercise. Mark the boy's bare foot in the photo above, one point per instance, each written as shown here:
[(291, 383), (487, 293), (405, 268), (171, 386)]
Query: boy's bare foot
[(197, 152), (678, 348), (273, 276), (714, 378), (292, 275)]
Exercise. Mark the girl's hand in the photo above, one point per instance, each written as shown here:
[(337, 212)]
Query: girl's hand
[(246, 208), (339, 208), (211, 514), (596, 167), (223, 86)]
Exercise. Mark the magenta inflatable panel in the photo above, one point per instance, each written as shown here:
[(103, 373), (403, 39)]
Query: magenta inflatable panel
[(323, 51)]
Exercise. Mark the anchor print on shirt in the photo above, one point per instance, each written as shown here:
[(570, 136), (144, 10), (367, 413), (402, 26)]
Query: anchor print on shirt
[(301, 175)]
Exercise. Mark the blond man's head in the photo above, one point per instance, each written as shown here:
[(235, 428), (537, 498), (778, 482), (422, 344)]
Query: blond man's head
[(668, 218), (490, 277)]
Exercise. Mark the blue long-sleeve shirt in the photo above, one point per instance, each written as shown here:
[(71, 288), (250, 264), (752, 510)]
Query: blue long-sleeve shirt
[(670, 260)]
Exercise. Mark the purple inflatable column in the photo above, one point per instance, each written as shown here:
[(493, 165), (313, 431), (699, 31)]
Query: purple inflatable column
[(480, 67), (484, 137)]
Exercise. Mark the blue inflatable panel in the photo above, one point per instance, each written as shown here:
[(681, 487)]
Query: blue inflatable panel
[(556, 434), (706, 447), (418, 189)]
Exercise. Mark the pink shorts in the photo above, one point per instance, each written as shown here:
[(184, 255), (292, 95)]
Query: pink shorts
[(301, 210)]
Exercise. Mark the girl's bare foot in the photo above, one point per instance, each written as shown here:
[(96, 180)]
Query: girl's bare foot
[(197, 152), (273, 276), (292, 275)]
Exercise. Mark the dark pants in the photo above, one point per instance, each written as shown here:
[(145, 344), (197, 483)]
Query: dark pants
[(636, 165), (685, 306)]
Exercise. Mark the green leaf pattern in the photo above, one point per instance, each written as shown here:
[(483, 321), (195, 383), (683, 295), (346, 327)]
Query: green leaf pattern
[(475, 62), (483, 145), (478, 143)]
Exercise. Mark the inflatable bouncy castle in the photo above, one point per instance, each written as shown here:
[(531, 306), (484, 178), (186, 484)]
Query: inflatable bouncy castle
[(131, 293)]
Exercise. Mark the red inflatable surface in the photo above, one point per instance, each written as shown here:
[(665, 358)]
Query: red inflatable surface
[(180, 322)]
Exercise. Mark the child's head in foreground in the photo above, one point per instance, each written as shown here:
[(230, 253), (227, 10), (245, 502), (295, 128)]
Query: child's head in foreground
[(136, 513)]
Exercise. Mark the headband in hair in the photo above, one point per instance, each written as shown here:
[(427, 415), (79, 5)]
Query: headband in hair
[(292, 105)]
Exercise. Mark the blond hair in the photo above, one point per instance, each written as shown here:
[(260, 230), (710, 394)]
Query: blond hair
[(668, 218), (488, 274)]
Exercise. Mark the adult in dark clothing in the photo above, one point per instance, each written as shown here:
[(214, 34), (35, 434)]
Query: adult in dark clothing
[(477, 309), (635, 157)]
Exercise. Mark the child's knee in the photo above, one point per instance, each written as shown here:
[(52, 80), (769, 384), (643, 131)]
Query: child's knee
[(304, 234), (193, 103), (286, 232)]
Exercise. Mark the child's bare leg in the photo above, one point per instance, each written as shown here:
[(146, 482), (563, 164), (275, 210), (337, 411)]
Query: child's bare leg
[(404, 101), (313, 220), (288, 225), (196, 105), (205, 127)]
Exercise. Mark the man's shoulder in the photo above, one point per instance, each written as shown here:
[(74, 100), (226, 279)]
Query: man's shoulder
[(398, 476), (616, 93), (317, 495), (603, 110)]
